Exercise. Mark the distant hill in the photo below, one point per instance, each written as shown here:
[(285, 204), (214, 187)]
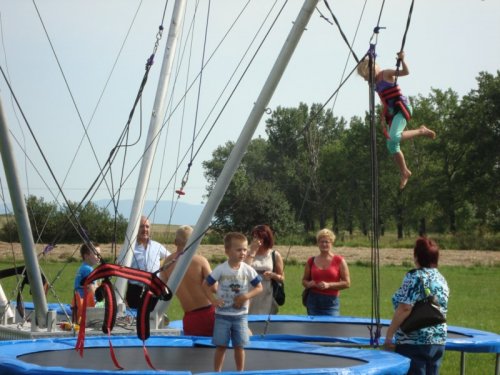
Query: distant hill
[(184, 213)]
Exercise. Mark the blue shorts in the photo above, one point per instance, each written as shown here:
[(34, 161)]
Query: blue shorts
[(230, 327)]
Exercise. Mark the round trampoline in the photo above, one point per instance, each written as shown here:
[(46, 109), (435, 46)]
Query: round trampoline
[(183, 355), (355, 330), (348, 331)]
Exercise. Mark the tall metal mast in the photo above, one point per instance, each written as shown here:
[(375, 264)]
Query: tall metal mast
[(158, 113), (240, 148)]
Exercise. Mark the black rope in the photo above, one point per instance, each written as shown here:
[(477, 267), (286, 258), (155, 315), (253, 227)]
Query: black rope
[(67, 86), (403, 42), (349, 54), (102, 173), (225, 103), (341, 32), (185, 178), (375, 257)]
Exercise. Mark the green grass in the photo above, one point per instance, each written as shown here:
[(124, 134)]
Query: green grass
[(472, 240), (473, 301)]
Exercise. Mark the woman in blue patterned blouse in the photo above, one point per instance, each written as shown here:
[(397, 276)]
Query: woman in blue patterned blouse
[(425, 346)]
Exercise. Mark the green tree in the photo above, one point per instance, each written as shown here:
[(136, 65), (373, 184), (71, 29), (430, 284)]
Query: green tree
[(297, 138), (479, 122), (51, 224), (251, 198)]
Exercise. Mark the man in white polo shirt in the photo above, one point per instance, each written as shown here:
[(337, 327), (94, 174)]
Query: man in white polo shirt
[(147, 257)]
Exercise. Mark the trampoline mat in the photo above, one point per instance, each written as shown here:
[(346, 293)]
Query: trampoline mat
[(311, 329), (325, 329), (194, 359)]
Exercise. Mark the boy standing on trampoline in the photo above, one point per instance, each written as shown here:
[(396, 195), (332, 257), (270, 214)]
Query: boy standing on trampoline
[(234, 283), (397, 111)]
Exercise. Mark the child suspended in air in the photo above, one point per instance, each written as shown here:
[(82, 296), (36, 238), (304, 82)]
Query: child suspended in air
[(397, 111)]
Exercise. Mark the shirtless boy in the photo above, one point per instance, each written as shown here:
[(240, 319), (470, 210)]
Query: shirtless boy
[(199, 313)]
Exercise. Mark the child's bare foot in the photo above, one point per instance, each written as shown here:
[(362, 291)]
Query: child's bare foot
[(404, 179), (426, 132)]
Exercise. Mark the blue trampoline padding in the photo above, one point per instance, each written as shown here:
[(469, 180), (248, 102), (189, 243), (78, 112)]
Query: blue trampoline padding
[(460, 339), (60, 309), (476, 341), (66, 307), (372, 361)]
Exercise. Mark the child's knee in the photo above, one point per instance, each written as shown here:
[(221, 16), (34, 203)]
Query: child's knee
[(393, 145)]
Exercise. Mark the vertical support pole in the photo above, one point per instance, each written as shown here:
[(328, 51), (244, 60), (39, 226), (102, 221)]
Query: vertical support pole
[(23, 224)]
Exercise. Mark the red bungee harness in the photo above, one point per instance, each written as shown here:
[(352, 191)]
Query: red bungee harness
[(392, 97), (155, 287)]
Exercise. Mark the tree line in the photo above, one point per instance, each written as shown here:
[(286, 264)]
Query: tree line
[(314, 170), (53, 224)]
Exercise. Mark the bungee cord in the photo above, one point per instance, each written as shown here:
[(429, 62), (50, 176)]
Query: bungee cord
[(375, 257), (403, 42), (349, 54), (341, 31)]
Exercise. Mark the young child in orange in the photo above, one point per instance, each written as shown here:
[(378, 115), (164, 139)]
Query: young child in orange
[(397, 111), (234, 283)]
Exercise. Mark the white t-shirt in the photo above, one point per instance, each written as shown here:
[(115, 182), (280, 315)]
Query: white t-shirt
[(231, 283)]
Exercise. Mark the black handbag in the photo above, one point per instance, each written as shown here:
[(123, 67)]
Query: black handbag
[(278, 292), (305, 294), (425, 313), (278, 287)]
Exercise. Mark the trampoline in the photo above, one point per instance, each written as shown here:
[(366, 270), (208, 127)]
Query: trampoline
[(184, 355), (354, 330)]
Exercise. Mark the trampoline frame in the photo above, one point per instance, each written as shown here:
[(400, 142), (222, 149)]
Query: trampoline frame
[(376, 362)]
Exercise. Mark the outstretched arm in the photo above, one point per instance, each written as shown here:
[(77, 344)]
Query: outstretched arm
[(389, 75)]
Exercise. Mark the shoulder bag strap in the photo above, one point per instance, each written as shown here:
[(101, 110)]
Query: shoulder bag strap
[(423, 283), (310, 261)]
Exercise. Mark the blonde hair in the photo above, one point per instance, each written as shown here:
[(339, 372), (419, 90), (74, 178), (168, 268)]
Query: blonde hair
[(237, 236), (363, 68), (182, 234), (325, 233)]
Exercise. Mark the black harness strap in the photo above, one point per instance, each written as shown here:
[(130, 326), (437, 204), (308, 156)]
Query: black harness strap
[(155, 288), (21, 270)]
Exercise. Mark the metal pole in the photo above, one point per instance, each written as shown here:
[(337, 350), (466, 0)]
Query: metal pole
[(239, 149), (23, 224), (158, 113)]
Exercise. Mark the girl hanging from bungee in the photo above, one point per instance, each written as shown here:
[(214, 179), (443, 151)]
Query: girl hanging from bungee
[(397, 111)]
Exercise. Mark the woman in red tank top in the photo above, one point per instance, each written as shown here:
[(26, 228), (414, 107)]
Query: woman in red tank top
[(325, 275)]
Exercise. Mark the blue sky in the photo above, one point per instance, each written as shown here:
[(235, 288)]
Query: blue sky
[(448, 44)]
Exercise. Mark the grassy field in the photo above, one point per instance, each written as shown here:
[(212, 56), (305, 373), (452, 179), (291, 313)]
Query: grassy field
[(473, 302)]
